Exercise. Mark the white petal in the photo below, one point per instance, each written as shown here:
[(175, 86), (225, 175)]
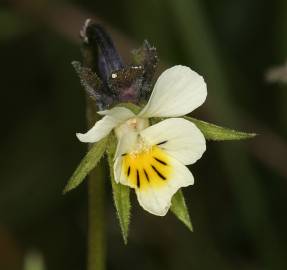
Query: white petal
[(125, 145), (103, 127), (180, 138), (178, 91), (157, 200), (118, 174)]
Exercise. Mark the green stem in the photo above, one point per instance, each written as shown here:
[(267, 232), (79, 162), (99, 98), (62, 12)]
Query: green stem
[(96, 233), (96, 204), (96, 189)]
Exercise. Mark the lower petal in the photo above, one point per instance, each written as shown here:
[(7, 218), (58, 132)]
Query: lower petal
[(155, 176), (157, 199)]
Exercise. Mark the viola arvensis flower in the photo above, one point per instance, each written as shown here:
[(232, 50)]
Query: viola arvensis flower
[(152, 159), (148, 144)]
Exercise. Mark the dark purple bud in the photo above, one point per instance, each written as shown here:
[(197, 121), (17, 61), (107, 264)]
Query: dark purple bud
[(103, 74), (109, 60)]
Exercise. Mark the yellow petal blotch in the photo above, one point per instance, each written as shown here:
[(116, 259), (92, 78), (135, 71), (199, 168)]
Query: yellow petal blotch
[(149, 167)]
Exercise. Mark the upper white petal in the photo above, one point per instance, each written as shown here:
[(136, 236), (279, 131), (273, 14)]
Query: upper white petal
[(157, 200), (103, 127), (182, 139), (178, 91)]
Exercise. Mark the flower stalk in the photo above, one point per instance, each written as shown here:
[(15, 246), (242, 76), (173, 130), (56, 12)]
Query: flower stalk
[(96, 187), (96, 209), (96, 230)]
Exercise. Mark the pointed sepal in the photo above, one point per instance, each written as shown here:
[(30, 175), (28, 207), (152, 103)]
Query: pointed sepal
[(146, 57), (93, 85), (90, 80), (132, 107), (179, 209), (87, 164), (218, 133), (121, 193)]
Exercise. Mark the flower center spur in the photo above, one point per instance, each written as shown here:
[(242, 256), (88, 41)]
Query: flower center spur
[(134, 124), (147, 167)]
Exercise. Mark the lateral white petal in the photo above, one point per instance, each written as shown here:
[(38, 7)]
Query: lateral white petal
[(125, 145), (180, 138), (178, 91), (103, 127), (157, 200), (118, 174)]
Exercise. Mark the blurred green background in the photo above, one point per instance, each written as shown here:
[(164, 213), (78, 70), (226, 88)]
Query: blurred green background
[(238, 203)]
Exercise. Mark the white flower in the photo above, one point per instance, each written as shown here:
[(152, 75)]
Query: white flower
[(152, 159)]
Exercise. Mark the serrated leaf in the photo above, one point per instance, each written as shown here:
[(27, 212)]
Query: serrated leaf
[(179, 208), (217, 133), (87, 164), (121, 194)]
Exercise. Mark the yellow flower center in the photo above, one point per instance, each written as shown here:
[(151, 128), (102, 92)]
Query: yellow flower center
[(147, 166)]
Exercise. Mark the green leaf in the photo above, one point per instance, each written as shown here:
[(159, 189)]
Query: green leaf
[(179, 208), (87, 164), (121, 193), (217, 133)]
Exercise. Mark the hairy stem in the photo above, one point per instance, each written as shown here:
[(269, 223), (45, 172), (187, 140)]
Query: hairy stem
[(96, 204)]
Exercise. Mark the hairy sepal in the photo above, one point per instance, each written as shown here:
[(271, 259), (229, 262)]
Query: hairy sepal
[(179, 209), (121, 193), (218, 133), (88, 163)]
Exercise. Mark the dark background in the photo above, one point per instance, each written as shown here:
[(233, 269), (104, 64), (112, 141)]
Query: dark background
[(238, 203)]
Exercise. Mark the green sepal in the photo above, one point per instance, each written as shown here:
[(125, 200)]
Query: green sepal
[(89, 162), (179, 209), (121, 193), (217, 133), (132, 107)]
